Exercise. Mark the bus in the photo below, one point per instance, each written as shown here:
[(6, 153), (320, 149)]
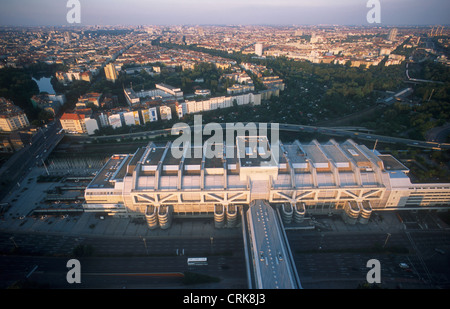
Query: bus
[(197, 261)]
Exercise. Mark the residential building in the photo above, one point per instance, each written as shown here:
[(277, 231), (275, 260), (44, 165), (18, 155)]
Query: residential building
[(149, 115), (394, 59), (238, 89), (11, 116), (273, 82), (259, 49), (73, 123), (111, 72), (131, 118), (165, 112), (90, 97), (176, 92), (392, 34), (103, 119), (86, 76), (131, 97), (194, 106), (180, 109), (115, 120), (91, 125), (203, 92)]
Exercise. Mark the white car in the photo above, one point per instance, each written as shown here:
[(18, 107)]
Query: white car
[(404, 265)]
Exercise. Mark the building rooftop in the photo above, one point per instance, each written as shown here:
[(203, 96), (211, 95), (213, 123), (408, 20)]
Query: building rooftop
[(8, 109), (255, 162), (169, 87), (316, 156), (105, 177), (353, 152), (254, 151), (334, 153), (392, 164), (72, 116), (153, 156), (294, 153)]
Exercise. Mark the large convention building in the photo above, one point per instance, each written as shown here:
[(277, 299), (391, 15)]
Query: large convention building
[(345, 178)]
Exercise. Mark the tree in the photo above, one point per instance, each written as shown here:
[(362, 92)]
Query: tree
[(45, 115)]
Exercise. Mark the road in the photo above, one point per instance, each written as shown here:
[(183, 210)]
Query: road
[(18, 166), (119, 272), (323, 260), (271, 260), (417, 80), (327, 259), (341, 260), (121, 261), (439, 134), (364, 136), (293, 128)]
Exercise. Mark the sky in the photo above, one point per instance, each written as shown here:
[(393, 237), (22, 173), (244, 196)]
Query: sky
[(229, 12)]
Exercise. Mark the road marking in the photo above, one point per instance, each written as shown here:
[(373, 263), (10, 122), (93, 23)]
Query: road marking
[(137, 274), (31, 272)]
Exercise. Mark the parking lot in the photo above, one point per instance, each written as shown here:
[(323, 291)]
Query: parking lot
[(35, 207)]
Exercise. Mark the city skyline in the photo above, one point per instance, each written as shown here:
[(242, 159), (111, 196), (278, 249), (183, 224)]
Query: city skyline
[(199, 12)]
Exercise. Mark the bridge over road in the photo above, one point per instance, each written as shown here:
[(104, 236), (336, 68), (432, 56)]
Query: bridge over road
[(269, 259)]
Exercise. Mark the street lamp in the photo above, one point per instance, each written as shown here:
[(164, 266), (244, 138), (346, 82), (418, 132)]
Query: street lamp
[(388, 235), (145, 244), (12, 239), (45, 167)]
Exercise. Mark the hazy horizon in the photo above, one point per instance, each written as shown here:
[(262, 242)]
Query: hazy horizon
[(231, 12)]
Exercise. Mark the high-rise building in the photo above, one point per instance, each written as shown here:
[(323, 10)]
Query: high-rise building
[(11, 116), (392, 34), (259, 49), (110, 72)]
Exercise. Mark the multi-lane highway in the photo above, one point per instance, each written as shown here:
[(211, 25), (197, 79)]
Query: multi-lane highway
[(294, 128), (271, 258), (364, 136), (42, 144), (120, 261)]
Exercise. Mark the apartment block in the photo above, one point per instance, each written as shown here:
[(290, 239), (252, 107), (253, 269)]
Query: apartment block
[(73, 123), (11, 116)]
